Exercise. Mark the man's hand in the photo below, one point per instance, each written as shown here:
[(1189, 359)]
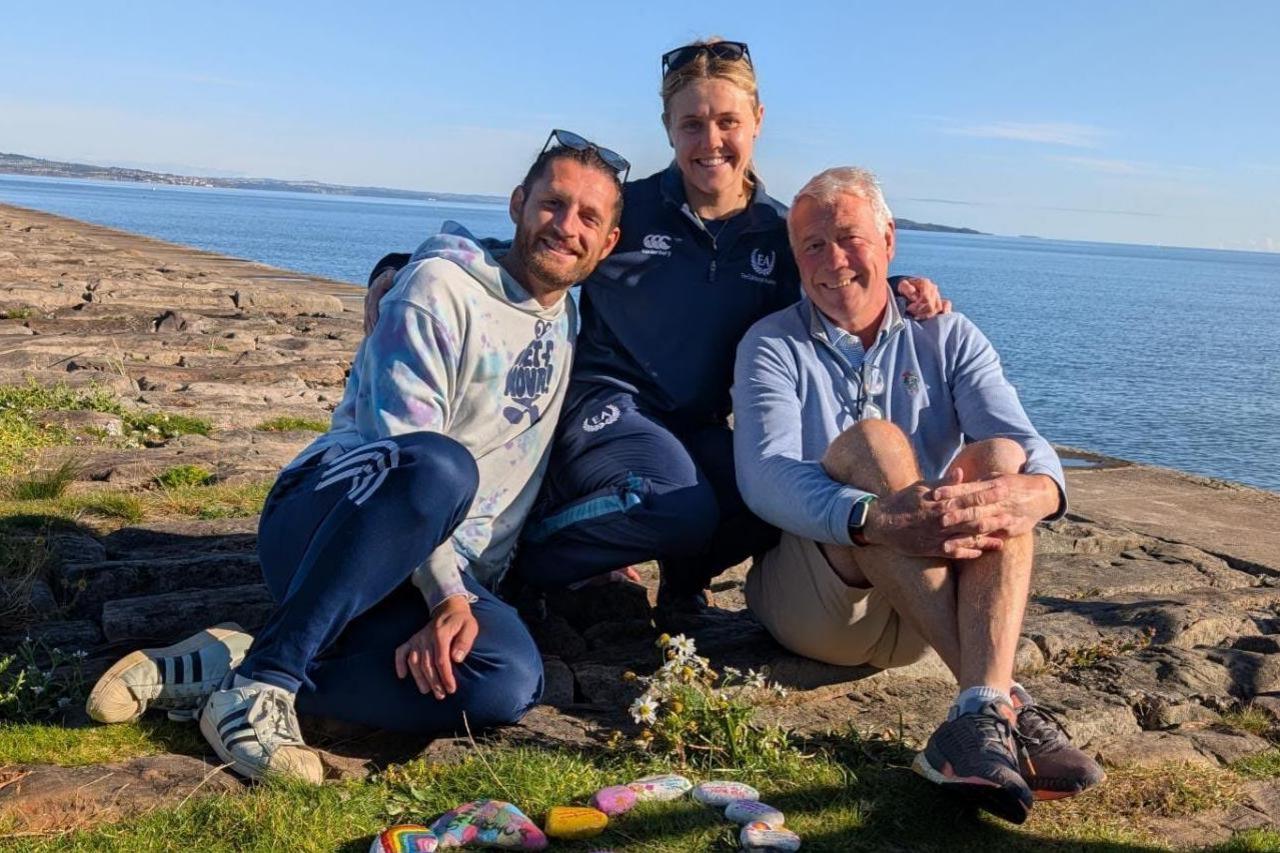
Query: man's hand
[(922, 295), (910, 522), (1003, 505), (377, 289), (430, 654)]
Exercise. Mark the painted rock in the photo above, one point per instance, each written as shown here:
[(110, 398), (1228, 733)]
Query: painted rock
[(575, 822), (405, 838), (488, 823), (750, 811), (723, 793), (614, 800), (761, 836), (665, 786)]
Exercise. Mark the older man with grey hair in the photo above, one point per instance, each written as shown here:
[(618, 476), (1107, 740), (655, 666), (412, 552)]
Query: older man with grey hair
[(907, 480)]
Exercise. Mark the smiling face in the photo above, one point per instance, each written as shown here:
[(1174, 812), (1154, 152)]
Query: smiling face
[(713, 125), (564, 227), (843, 257)]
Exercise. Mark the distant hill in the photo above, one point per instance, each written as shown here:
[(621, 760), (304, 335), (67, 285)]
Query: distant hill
[(18, 164)]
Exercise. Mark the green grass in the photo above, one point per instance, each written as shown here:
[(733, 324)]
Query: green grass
[(220, 500), (846, 794), (17, 314), (166, 425), (286, 424), (1249, 719), (48, 484), (1264, 765), (180, 476), (31, 743)]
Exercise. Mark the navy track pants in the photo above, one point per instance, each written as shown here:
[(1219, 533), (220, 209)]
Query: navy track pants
[(624, 486), (338, 542)]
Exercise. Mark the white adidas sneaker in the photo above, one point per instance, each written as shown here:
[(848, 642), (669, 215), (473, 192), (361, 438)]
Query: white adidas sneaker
[(176, 679), (253, 728)]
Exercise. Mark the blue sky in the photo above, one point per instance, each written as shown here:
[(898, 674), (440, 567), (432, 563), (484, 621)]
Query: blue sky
[(1147, 122)]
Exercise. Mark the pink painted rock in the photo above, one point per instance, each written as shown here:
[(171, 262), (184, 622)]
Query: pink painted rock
[(665, 786), (751, 811), (488, 823), (723, 793), (761, 836), (405, 838), (614, 800)]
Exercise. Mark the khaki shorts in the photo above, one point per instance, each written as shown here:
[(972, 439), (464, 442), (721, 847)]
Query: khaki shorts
[(807, 608)]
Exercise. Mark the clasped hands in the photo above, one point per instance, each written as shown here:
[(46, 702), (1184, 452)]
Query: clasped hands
[(960, 520), (430, 654)]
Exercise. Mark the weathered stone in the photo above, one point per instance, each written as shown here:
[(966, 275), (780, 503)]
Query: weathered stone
[(70, 635), (1266, 644), (168, 617), (1089, 716), (602, 684), (558, 688), (88, 586), (179, 538), (83, 421), (1227, 746), (290, 301), (54, 799), (179, 321), (1151, 749), (74, 547)]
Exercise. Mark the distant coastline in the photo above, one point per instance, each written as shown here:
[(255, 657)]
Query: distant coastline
[(19, 164)]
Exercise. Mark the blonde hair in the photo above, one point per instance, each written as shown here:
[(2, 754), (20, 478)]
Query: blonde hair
[(704, 66), (824, 187)]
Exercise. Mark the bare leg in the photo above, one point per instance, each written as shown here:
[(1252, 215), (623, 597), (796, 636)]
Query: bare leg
[(991, 590), (877, 457)]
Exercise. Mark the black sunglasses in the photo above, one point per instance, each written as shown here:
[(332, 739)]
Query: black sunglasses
[(732, 51), (569, 139)]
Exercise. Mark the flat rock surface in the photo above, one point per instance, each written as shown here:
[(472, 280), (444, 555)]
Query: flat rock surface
[(1154, 611)]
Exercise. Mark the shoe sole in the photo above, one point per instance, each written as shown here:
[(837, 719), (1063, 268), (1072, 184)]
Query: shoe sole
[(983, 793), (193, 643)]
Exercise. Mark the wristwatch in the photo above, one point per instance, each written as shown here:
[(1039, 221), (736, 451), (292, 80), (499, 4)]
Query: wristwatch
[(858, 519)]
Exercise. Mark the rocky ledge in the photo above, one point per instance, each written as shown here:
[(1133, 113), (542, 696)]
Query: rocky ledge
[(1155, 605)]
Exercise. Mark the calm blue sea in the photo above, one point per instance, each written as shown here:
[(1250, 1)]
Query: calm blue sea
[(1168, 356)]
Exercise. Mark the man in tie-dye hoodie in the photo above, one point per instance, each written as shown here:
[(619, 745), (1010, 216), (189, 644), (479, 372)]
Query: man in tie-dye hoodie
[(382, 541)]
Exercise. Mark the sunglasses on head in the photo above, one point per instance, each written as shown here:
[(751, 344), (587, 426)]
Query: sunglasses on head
[(569, 139), (673, 60)]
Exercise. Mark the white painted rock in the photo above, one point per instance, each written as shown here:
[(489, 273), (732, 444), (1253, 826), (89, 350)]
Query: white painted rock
[(750, 811), (760, 836), (664, 786), (723, 793)]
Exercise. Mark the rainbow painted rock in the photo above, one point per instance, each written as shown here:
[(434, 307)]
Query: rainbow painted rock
[(750, 811), (761, 836), (665, 786), (405, 838), (575, 822), (723, 793), (614, 800), (488, 823)]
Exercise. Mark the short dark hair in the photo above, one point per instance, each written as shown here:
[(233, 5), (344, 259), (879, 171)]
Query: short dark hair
[(587, 157)]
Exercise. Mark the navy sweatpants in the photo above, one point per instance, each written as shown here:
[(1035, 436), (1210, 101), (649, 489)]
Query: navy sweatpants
[(338, 542), (624, 485)]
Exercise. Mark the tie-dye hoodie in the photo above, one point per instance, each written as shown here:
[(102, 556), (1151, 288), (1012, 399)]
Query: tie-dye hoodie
[(462, 349)]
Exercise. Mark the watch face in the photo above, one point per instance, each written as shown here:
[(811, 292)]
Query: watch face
[(858, 518)]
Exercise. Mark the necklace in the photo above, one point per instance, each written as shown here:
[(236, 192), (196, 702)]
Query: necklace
[(718, 230)]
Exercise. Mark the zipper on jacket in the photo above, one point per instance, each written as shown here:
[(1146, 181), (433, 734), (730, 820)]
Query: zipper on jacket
[(711, 273)]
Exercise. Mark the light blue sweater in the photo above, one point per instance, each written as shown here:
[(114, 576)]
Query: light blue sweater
[(793, 393)]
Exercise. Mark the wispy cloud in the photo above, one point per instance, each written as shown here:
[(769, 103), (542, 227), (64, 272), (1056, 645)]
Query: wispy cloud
[(951, 201), (1044, 133), (1106, 166)]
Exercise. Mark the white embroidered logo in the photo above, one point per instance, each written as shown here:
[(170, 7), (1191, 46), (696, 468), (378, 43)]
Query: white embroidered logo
[(656, 244), (595, 423), (366, 467), (763, 263)]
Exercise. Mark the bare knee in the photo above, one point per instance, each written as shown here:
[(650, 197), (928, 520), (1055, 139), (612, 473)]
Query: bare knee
[(874, 455), (992, 456)]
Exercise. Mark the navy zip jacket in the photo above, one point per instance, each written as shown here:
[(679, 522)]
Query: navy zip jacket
[(663, 314)]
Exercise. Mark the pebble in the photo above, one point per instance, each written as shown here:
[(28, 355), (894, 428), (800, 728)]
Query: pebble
[(761, 836), (489, 823), (575, 822), (614, 800), (723, 793), (751, 811), (665, 786), (405, 838)]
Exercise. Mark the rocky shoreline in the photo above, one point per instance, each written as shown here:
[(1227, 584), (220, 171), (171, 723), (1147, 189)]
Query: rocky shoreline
[(1155, 612)]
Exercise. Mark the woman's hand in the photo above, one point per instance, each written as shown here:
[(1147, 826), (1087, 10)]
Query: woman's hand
[(924, 300), (430, 654)]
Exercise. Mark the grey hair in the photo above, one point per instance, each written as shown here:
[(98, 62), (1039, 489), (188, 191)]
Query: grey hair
[(845, 180)]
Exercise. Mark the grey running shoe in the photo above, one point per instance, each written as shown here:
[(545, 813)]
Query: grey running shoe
[(974, 756), (1052, 767), (255, 730), (176, 678)]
